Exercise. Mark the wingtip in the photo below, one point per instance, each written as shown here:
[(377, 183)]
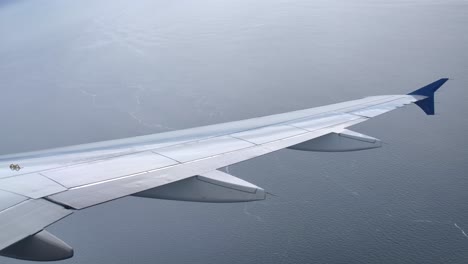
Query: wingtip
[(430, 89), (427, 102)]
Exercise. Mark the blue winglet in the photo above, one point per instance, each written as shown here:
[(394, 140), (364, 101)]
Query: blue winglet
[(427, 104)]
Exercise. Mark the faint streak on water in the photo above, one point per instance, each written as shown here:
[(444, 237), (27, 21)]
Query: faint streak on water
[(459, 228)]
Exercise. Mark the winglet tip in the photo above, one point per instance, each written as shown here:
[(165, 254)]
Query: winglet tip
[(430, 89), (427, 104)]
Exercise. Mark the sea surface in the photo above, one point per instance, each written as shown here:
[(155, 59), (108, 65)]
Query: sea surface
[(74, 72)]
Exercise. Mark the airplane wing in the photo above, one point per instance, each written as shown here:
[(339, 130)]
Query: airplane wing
[(42, 187)]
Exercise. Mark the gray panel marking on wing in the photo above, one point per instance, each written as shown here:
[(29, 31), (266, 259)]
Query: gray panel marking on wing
[(42, 163), (376, 110), (312, 124), (32, 185), (8, 199), (268, 134), (28, 218), (107, 169), (204, 148)]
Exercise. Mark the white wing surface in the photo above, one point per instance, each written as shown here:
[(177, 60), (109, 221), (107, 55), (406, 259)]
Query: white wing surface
[(39, 188)]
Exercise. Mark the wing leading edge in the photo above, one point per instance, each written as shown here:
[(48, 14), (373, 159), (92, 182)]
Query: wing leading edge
[(180, 165)]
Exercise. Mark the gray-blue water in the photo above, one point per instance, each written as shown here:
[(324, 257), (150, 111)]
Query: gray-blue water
[(74, 72)]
